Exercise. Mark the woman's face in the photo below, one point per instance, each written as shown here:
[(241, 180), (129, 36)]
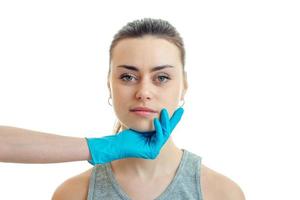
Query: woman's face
[(145, 73)]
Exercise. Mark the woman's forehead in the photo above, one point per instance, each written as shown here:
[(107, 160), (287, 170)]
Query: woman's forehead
[(148, 51)]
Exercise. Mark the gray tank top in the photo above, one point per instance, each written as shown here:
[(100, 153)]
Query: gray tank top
[(184, 185)]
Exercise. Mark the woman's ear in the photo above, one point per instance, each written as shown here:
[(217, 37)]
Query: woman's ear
[(185, 85), (108, 83), (108, 87)]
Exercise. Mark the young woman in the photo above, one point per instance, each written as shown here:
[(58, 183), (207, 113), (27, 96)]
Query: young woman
[(147, 74)]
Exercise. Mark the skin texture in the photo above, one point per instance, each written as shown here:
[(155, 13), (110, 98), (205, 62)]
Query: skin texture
[(143, 87), (146, 88), (19, 145)]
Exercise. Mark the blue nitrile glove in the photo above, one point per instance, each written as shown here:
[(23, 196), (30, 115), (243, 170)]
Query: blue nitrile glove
[(134, 144)]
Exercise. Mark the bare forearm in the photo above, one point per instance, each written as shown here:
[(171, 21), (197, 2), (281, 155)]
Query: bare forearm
[(20, 145)]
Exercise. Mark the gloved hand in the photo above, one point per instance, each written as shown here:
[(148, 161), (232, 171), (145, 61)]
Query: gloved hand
[(134, 144)]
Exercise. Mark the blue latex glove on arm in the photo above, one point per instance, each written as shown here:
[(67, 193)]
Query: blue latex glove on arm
[(134, 144)]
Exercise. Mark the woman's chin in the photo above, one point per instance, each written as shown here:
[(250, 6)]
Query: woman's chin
[(143, 127)]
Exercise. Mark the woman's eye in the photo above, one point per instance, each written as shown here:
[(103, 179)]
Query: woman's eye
[(127, 77), (163, 78)]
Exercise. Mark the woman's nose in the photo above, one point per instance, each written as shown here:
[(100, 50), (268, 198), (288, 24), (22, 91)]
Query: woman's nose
[(144, 92)]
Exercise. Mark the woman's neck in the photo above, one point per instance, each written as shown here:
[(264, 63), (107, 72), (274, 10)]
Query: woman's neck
[(164, 164)]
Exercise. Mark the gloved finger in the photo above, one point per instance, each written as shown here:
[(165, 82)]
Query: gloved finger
[(165, 122), (176, 117), (159, 131)]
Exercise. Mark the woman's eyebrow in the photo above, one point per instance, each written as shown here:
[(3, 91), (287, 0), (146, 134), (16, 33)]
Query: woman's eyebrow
[(133, 68)]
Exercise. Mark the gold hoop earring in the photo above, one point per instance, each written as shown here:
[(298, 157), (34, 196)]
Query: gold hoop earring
[(110, 103)]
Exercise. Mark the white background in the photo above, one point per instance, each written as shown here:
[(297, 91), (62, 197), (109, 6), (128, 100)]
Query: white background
[(242, 113)]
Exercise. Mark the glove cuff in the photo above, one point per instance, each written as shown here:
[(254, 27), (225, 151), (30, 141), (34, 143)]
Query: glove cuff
[(91, 150)]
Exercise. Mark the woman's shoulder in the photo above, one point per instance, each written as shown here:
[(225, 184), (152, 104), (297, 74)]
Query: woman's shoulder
[(75, 188), (215, 186)]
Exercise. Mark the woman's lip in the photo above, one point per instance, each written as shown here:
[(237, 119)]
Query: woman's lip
[(145, 109), (144, 113)]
